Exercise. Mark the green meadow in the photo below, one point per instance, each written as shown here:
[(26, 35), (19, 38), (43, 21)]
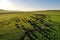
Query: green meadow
[(36, 25)]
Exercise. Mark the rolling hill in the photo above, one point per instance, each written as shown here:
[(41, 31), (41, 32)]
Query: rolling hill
[(33, 25)]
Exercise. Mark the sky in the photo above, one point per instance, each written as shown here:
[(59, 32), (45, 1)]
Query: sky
[(30, 5)]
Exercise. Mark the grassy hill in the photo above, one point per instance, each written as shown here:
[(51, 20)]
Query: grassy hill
[(35, 25)]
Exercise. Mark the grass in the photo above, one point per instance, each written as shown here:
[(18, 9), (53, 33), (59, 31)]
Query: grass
[(10, 31)]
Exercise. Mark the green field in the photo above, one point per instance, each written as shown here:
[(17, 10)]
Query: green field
[(37, 25)]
